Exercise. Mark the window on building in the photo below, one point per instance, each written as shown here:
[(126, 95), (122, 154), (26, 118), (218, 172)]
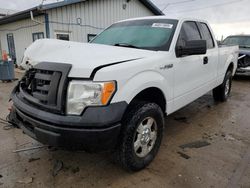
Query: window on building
[(11, 46), (62, 36), (37, 36), (91, 37), (207, 36)]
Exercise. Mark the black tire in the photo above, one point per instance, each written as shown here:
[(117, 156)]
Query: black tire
[(222, 92), (136, 115)]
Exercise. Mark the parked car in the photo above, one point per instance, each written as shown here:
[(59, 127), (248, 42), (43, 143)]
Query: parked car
[(244, 54), (113, 93)]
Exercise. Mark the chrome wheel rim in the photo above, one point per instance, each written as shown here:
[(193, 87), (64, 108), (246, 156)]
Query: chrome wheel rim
[(145, 137), (227, 87)]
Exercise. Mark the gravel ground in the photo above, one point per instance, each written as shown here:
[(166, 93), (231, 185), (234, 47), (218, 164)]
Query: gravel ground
[(219, 134)]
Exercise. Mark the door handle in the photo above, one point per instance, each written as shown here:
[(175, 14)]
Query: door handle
[(205, 60)]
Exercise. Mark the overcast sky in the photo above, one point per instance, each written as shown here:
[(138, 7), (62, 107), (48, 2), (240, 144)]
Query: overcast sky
[(226, 16)]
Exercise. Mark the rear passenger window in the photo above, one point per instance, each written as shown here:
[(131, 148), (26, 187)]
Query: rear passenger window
[(189, 31), (207, 36)]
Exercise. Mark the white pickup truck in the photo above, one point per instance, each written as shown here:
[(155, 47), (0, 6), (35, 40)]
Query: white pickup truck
[(113, 93)]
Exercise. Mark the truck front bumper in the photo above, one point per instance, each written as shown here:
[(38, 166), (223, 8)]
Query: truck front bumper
[(98, 129)]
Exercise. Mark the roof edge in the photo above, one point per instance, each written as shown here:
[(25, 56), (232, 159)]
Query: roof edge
[(60, 4), (20, 15)]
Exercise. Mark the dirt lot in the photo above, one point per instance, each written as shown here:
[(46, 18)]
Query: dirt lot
[(223, 163)]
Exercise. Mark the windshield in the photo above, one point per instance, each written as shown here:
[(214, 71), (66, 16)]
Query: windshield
[(142, 34), (242, 41)]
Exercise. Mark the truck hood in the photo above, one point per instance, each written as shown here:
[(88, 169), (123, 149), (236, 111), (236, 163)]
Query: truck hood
[(84, 57)]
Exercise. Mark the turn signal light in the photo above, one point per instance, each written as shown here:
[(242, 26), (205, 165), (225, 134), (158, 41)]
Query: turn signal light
[(107, 92)]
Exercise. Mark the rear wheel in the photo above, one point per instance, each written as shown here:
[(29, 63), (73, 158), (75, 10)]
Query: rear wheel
[(141, 136), (222, 92)]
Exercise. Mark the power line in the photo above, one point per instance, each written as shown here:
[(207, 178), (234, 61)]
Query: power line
[(180, 2), (216, 5), (53, 22)]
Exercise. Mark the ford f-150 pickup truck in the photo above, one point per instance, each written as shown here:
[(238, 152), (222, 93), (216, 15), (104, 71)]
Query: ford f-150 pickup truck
[(113, 93)]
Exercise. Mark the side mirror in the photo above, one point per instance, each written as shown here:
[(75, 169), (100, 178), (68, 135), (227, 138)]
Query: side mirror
[(192, 47)]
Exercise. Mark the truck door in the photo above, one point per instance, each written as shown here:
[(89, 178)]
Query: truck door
[(211, 58), (189, 70)]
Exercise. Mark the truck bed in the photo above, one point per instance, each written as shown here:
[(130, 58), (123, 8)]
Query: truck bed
[(225, 53)]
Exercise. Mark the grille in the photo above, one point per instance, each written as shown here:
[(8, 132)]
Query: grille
[(45, 86), (244, 62), (42, 85)]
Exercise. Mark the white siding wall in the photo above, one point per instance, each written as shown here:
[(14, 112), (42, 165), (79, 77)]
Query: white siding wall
[(22, 31), (94, 14)]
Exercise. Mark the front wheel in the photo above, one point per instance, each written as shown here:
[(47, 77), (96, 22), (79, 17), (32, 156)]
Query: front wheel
[(141, 136), (222, 92)]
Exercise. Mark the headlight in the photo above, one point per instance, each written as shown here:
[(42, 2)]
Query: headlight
[(86, 93)]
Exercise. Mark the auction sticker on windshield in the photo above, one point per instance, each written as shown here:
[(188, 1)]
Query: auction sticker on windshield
[(163, 25)]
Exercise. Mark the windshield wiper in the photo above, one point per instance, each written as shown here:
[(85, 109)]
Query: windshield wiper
[(125, 45)]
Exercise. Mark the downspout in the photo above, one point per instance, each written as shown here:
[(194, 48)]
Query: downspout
[(32, 18), (47, 25)]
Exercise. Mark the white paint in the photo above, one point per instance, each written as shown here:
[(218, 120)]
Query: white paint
[(186, 81), (85, 56)]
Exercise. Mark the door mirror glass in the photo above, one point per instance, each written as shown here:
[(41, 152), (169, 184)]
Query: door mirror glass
[(192, 47)]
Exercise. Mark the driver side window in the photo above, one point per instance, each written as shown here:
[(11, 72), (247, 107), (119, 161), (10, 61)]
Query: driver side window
[(189, 31)]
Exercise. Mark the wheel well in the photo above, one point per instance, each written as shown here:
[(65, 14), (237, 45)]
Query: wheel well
[(231, 67), (152, 94)]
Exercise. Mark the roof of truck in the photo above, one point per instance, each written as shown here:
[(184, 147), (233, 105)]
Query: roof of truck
[(241, 35), (173, 17)]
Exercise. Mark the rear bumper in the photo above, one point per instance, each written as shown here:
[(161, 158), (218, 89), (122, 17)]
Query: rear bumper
[(96, 133)]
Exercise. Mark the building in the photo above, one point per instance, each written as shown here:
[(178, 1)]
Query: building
[(74, 20)]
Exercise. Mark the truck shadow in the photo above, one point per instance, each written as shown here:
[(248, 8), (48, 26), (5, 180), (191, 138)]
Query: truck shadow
[(242, 78)]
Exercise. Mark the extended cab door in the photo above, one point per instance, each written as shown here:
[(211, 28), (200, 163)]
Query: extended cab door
[(211, 59), (189, 75)]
